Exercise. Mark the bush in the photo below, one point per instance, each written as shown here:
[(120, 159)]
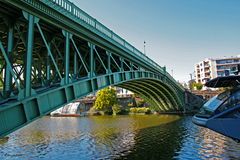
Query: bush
[(130, 105), (1, 85), (133, 110), (140, 110)]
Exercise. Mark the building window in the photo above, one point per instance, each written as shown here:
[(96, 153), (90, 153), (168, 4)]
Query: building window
[(220, 74), (220, 61), (221, 67)]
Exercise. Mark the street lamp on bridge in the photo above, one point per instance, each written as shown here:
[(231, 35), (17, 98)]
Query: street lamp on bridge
[(144, 45)]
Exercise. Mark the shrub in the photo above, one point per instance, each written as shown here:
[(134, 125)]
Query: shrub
[(130, 104), (140, 110), (133, 110)]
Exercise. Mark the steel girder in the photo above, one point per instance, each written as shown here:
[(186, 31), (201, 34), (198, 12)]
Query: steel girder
[(154, 104), (163, 105), (146, 92)]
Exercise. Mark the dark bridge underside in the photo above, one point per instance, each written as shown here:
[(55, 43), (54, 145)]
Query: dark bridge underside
[(15, 114), (51, 55)]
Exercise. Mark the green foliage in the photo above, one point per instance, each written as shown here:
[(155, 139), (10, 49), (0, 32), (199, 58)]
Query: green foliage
[(140, 110), (198, 86), (130, 105), (116, 108), (191, 84), (106, 98), (1, 85)]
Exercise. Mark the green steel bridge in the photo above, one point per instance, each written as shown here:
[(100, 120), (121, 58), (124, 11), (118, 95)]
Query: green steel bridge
[(52, 53)]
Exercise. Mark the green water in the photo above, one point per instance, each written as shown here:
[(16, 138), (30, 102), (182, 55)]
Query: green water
[(117, 137)]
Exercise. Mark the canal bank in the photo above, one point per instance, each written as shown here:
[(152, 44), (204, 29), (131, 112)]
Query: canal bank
[(117, 137)]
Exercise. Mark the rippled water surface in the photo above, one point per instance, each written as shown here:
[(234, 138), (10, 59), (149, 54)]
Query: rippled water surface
[(117, 137)]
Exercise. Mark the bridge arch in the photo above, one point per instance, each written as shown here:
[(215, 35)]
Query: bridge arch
[(162, 96), (167, 90), (149, 89), (68, 56), (145, 95), (145, 91), (167, 94)]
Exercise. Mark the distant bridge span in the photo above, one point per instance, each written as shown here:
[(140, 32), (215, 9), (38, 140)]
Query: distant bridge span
[(52, 53)]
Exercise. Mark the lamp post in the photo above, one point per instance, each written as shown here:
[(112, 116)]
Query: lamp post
[(144, 45), (190, 76), (190, 84)]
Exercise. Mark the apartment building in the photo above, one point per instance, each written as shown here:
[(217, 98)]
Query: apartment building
[(212, 68)]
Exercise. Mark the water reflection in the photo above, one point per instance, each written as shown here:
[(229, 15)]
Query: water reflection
[(3, 140), (202, 143), (119, 137)]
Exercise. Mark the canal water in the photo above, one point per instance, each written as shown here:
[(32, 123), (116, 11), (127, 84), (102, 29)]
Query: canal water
[(149, 137)]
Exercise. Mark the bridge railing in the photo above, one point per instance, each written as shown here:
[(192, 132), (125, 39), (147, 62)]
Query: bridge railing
[(73, 9)]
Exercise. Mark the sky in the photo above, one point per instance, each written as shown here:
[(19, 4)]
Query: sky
[(178, 33)]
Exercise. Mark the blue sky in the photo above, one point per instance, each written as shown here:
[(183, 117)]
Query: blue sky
[(178, 33)]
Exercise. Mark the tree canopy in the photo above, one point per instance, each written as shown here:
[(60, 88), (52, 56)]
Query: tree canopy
[(106, 98), (198, 86)]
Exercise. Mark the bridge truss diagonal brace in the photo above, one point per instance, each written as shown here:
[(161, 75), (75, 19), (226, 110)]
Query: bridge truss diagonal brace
[(49, 50), (126, 64), (58, 52), (9, 65), (115, 62), (138, 68), (79, 54), (99, 57), (8, 76), (20, 35)]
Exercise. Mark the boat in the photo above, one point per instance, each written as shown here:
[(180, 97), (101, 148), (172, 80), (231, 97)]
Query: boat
[(222, 112)]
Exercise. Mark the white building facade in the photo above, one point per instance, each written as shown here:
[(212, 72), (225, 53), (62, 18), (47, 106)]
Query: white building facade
[(212, 68)]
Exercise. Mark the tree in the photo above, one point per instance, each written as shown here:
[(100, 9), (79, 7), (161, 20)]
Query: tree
[(198, 86), (106, 98), (191, 84)]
